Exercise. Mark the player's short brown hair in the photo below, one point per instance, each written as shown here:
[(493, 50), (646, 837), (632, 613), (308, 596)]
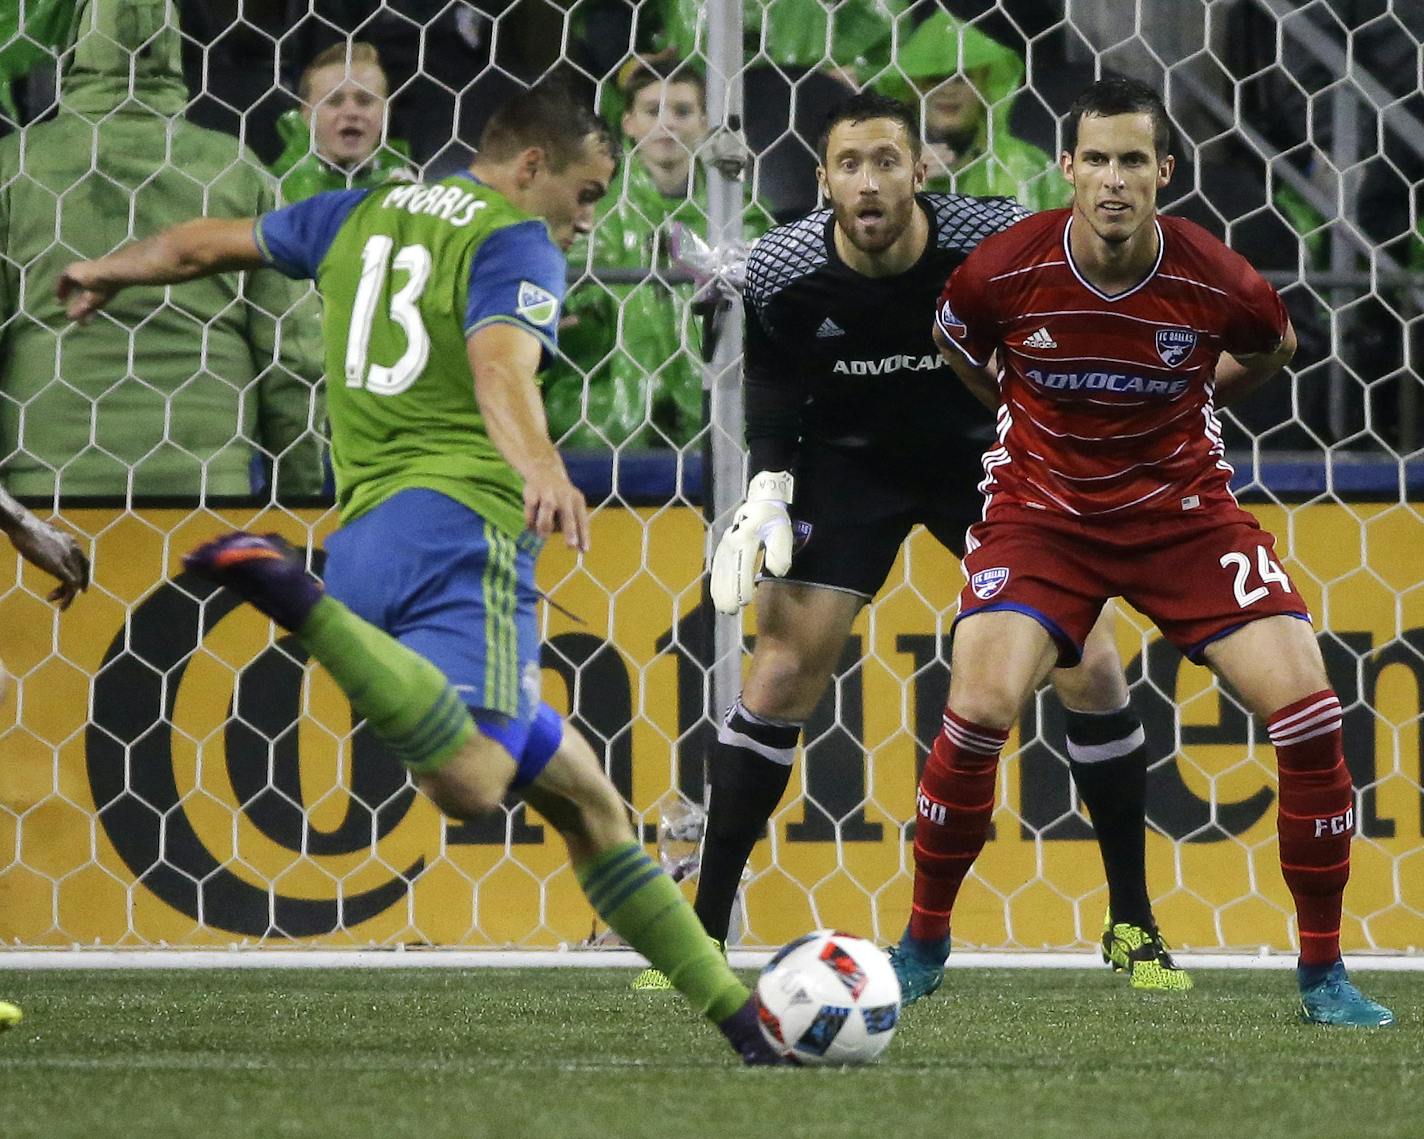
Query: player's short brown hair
[(547, 115), (869, 105), (340, 54), (646, 72), (1118, 96)]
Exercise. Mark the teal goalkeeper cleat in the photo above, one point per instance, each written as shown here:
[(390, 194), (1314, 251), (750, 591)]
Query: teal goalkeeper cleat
[(1333, 999), (919, 967)]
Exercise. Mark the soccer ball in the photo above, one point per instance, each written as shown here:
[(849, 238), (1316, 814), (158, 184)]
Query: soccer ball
[(829, 998)]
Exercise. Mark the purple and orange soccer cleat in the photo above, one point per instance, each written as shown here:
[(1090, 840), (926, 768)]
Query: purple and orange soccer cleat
[(744, 1033), (265, 570)]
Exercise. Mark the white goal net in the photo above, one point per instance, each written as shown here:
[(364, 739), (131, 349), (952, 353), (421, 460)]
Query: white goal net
[(172, 773)]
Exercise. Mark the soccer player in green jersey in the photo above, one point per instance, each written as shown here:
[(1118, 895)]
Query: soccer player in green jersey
[(441, 302)]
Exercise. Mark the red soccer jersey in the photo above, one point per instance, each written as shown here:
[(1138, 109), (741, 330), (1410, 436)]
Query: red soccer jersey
[(1105, 401)]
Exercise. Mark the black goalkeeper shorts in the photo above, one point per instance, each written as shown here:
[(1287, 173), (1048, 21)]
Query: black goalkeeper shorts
[(850, 519)]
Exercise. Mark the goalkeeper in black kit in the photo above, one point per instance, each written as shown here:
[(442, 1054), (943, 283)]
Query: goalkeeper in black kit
[(857, 432)]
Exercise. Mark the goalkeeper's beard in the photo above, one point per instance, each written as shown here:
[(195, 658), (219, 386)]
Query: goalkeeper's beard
[(895, 220)]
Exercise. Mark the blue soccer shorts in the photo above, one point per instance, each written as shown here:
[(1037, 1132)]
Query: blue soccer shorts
[(442, 581)]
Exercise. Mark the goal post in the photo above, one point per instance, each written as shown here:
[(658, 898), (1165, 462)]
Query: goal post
[(174, 773)]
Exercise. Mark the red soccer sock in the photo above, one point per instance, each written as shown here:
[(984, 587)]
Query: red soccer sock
[(1315, 820), (955, 804)]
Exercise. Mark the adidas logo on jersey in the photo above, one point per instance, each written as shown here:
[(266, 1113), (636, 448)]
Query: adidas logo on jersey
[(1040, 339), (829, 328)]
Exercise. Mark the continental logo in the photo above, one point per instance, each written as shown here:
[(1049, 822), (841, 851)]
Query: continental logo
[(1119, 383), (888, 364), (147, 709), (205, 756)]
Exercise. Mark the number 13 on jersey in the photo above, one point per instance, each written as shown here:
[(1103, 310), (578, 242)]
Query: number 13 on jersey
[(376, 262)]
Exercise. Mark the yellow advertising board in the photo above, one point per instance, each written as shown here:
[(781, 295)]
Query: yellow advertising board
[(174, 774)]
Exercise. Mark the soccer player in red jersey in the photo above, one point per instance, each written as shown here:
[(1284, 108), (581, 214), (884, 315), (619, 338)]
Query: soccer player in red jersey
[(1106, 336)]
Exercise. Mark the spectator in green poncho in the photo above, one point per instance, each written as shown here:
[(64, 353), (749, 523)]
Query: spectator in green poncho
[(966, 84), (334, 142), (844, 40), (637, 344), (171, 394), (30, 33), (787, 33)]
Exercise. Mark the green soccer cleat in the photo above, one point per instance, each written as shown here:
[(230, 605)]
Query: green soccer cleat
[(1142, 954), (653, 980), (1334, 1000), (920, 970)]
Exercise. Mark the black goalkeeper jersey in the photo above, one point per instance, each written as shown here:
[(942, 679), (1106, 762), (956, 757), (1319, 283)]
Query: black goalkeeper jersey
[(848, 362)]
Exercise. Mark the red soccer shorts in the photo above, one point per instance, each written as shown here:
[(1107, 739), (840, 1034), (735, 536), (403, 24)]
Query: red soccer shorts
[(1197, 577)]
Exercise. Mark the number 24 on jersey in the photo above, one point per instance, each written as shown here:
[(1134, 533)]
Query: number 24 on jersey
[(1267, 569)]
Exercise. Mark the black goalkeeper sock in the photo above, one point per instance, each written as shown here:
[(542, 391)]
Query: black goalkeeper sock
[(748, 770), (1108, 757)]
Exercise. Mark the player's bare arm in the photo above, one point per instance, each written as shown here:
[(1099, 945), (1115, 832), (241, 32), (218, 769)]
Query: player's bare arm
[(982, 382), (184, 252), (1238, 376), (504, 358), (43, 545)]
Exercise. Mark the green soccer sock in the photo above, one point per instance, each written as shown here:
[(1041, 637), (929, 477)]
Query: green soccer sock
[(406, 699), (644, 907)]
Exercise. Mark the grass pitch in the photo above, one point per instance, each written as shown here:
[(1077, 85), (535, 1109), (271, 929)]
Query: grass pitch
[(549, 1053)]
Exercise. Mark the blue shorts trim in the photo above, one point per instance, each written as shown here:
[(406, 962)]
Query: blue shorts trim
[(1070, 652), (1196, 653), (530, 744)]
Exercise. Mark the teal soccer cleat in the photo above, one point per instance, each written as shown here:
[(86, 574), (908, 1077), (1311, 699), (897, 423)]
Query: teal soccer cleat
[(919, 967), (1332, 999)]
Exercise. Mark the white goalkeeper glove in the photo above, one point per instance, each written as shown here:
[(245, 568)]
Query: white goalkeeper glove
[(761, 523)]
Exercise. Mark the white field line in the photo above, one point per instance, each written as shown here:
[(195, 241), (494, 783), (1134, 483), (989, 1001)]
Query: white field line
[(252, 958)]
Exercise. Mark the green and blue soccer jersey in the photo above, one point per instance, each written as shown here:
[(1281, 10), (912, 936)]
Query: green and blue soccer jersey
[(406, 273)]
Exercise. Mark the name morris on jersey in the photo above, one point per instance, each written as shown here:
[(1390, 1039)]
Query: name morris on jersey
[(900, 362), (451, 203), (1117, 382)]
